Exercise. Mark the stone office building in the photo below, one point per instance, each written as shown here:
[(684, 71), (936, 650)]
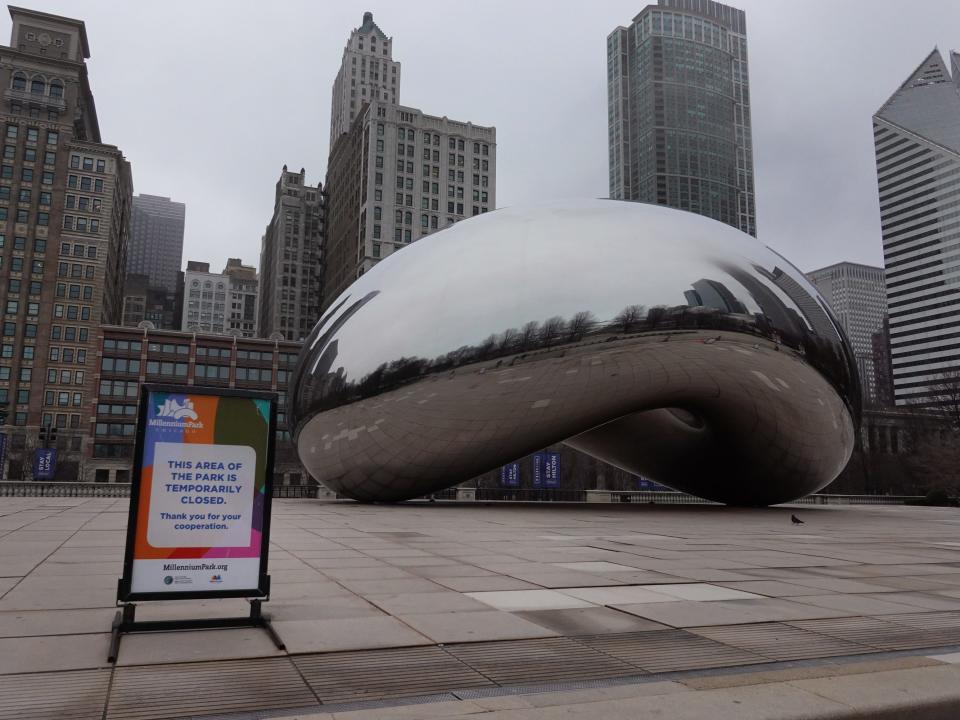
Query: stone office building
[(65, 199), (395, 174), (291, 259), (224, 303)]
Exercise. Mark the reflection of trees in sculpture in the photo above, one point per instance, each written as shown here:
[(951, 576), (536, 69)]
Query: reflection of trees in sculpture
[(628, 318), (507, 340), (529, 334), (554, 332), (580, 324), (550, 330)]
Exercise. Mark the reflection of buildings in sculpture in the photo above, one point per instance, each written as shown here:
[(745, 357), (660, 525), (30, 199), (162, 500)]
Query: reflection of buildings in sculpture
[(785, 319), (810, 306), (714, 294), (857, 296), (917, 144)]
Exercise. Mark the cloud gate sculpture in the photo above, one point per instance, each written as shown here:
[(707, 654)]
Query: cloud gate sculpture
[(660, 341)]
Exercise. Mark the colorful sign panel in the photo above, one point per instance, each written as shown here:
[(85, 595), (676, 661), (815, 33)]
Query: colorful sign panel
[(200, 504), (510, 475), (44, 463)]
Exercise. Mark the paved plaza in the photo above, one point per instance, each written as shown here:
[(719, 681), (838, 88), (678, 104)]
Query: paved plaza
[(494, 608)]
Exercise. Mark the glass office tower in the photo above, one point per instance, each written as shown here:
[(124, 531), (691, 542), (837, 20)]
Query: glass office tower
[(679, 111)]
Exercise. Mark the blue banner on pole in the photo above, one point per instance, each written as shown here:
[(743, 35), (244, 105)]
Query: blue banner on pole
[(551, 473), (510, 475), (3, 453), (539, 461), (44, 463)]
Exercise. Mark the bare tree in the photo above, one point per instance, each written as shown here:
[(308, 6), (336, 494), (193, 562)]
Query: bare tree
[(529, 334), (629, 317), (945, 394), (487, 346), (551, 329), (936, 462), (580, 324), (507, 339)]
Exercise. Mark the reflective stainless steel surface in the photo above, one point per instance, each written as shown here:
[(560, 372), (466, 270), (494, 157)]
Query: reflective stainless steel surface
[(661, 341)]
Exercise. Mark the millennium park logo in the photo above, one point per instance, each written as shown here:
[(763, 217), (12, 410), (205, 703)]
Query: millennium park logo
[(176, 414)]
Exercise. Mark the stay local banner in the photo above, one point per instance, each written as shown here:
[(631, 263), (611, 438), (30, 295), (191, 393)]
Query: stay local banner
[(199, 514)]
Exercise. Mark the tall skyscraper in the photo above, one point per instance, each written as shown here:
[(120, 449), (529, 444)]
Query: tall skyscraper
[(65, 200), (156, 241), (678, 111), (221, 304), (917, 143), (367, 73), (291, 255), (396, 175), (856, 294)]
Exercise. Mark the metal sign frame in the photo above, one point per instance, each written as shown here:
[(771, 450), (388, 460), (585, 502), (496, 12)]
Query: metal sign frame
[(124, 590)]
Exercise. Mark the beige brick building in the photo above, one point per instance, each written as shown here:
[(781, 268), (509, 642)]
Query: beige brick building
[(65, 203)]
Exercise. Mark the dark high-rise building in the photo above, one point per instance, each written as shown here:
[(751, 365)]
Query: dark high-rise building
[(156, 240), (917, 143), (678, 97), (882, 369), (291, 259), (65, 200), (143, 302)]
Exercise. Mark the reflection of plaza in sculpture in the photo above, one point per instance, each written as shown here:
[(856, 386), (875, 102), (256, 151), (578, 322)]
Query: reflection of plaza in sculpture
[(657, 340)]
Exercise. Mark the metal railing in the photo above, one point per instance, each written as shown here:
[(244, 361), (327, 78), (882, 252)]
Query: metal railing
[(531, 494), (640, 497), (833, 499), (64, 489)]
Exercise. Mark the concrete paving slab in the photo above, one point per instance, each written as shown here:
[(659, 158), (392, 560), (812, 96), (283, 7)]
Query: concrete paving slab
[(25, 623), (304, 636), (194, 646), (484, 584), (702, 592), (903, 689), (431, 602), (529, 600), (53, 652), (623, 595), (482, 626), (589, 621)]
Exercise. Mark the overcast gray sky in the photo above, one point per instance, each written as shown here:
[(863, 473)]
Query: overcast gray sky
[(209, 99)]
